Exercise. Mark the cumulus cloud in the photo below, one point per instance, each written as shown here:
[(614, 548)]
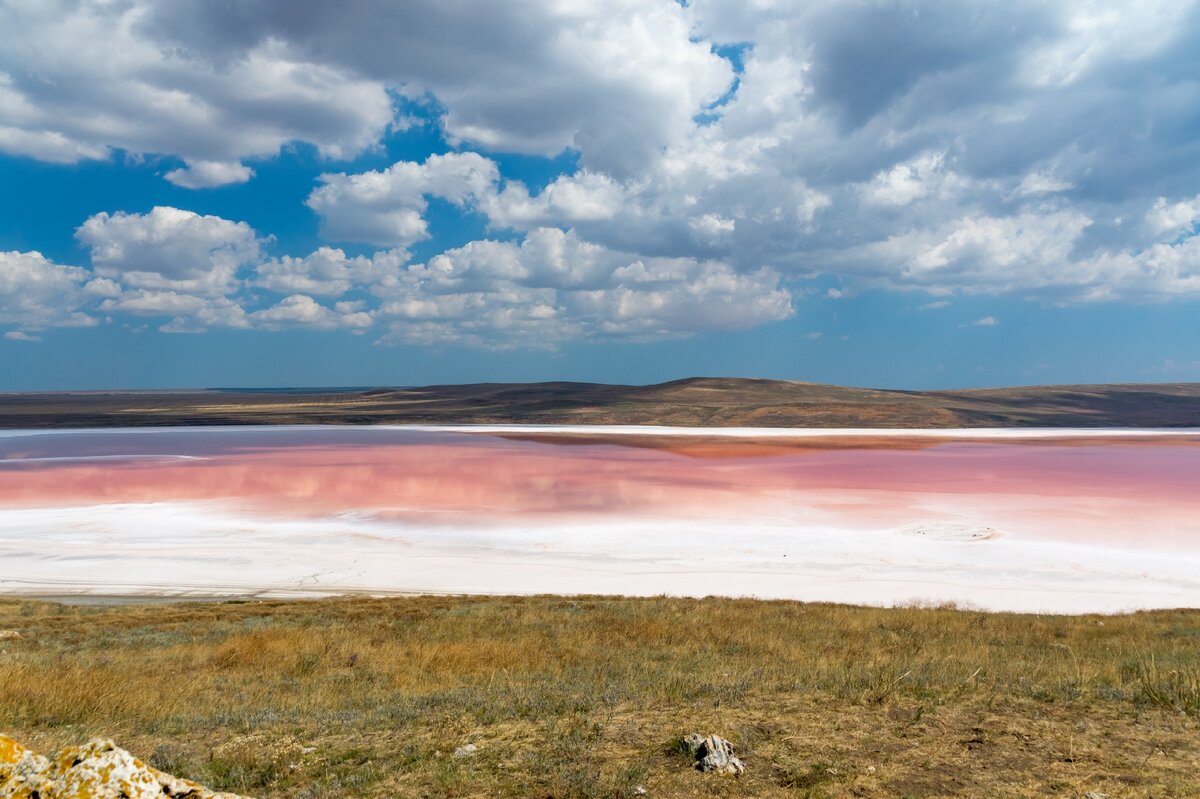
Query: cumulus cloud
[(554, 286), (210, 313), (568, 199), (615, 79), (208, 174), (1173, 219), (906, 182), (387, 207), (78, 79), (155, 303), (169, 249), (327, 271), (199, 272), (36, 293), (216, 84), (937, 131), (1040, 250), (299, 310), (1045, 150)]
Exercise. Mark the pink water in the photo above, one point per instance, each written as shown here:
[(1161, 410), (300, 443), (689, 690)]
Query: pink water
[(1134, 494), (1145, 491)]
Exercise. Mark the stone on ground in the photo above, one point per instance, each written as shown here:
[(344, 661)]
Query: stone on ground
[(713, 753), (97, 770)]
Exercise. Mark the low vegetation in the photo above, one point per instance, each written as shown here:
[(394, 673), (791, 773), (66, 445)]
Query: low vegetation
[(590, 697), (694, 402)]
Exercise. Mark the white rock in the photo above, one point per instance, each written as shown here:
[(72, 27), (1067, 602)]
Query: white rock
[(714, 753)]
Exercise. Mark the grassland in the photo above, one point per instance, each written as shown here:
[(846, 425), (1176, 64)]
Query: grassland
[(588, 697), (713, 402)]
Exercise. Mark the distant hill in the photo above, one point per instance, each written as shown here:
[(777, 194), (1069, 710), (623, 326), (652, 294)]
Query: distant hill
[(704, 402)]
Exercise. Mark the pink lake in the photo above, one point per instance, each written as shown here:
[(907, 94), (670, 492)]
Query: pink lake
[(1068, 521)]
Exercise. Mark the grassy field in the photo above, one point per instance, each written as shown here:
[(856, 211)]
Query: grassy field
[(588, 697), (695, 402)]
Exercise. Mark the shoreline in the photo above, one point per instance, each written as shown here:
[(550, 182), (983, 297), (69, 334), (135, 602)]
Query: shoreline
[(965, 433)]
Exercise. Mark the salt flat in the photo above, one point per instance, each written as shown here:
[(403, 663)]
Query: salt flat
[(1045, 520)]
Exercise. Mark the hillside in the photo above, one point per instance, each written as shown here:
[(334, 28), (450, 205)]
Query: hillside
[(715, 402)]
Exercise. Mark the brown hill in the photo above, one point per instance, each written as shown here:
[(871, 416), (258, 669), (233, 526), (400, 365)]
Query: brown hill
[(710, 402)]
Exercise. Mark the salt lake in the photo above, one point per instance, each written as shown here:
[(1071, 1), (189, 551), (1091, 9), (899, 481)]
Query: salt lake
[(1044, 520)]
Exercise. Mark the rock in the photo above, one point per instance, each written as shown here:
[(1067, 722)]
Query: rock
[(9, 634), (1095, 795), (97, 770), (466, 750), (713, 753)]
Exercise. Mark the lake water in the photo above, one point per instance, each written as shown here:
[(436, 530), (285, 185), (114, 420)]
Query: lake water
[(1045, 520)]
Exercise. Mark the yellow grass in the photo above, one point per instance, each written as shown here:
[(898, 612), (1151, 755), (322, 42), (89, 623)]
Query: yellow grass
[(588, 697)]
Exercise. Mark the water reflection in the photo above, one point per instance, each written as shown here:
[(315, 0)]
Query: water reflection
[(1087, 489)]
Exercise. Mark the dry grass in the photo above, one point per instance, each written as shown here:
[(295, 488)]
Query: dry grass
[(694, 402), (587, 697)]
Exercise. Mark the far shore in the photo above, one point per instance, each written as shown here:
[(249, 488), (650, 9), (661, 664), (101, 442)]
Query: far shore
[(700, 402)]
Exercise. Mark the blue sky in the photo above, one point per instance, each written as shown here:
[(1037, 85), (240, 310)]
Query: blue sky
[(899, 194)]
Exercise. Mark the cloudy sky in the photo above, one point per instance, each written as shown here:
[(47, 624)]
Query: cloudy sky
[(373, 192)]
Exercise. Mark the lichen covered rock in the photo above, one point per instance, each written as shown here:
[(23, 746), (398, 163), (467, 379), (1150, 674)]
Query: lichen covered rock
[(97, 770)]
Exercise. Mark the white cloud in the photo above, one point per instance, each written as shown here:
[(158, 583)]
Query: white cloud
[(216, 84), (78, 79), (299, 310), (170, 249), (102, 287), (1035, 250), (36, 292), (207, 174), (155, 303), (584, 196), (387, 207), (20, 335), (1172, 219), (211, 313), (986, 321), (554, 287), (969, 153), (1036, 183), (979, 253), (905, 182), (327, 271), (1094, 33), (712, 226)]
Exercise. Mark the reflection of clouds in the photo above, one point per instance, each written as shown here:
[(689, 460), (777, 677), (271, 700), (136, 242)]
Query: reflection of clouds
[(1122, 493)]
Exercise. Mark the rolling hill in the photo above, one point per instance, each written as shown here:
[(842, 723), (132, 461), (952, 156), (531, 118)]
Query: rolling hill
[(706, 402)]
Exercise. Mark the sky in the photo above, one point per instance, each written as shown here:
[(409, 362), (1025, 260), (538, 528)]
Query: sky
[(867, 192)]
